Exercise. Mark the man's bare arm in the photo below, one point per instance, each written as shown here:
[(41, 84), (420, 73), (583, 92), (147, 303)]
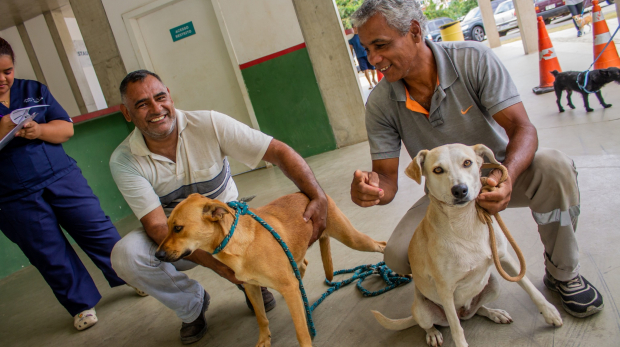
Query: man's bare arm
[(522, 139), (522, 146), (298, 171)]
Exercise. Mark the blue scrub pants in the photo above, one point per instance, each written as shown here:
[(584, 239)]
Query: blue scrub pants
[(33, 223)]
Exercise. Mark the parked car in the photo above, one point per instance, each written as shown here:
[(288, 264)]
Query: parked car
[(433, 27), (551, 9), (505, 17), (472, 26)]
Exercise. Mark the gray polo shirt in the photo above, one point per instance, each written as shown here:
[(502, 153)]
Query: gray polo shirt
[(473, 86)]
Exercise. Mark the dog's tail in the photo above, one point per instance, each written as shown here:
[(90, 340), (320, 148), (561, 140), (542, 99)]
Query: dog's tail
[(326, 257), (555, 73), (394, 324)]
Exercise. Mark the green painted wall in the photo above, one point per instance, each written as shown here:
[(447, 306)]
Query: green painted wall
[(288, 104), (91, 146)]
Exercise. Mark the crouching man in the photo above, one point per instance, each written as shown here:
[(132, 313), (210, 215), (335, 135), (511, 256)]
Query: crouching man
[(172, 154), (459, 92)]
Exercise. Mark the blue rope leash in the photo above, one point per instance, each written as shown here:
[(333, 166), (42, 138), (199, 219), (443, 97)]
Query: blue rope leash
[(587, 72), (359, 273)]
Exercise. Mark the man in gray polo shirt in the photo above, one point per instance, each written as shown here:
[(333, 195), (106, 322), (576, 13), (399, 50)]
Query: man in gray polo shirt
[(459, 92)]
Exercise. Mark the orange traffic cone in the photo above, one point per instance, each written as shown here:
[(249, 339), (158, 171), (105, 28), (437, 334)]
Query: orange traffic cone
[(548, 60), (609, 57), (379, 75)]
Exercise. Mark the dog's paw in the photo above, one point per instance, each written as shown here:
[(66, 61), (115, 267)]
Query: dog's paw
[(381, 246), (499, 316), (551, 314), (607, 105), (264, 342), (589, 109), (561, 110), (434, 337)]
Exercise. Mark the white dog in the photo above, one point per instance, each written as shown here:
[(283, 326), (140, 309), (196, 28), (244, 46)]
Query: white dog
[(450, 253)]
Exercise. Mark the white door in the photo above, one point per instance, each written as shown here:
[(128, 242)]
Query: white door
[(197, 69)]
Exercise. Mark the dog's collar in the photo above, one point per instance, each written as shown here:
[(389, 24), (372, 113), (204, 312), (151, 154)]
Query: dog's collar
[(241, 208)]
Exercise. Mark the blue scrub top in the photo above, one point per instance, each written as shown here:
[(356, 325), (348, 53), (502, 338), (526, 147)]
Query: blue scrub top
[(27, 166), (357, 46)]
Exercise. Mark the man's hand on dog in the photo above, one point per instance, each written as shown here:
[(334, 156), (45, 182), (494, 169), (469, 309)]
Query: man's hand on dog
[(316, 211), (365, 190), (205, 259), (497, 200)]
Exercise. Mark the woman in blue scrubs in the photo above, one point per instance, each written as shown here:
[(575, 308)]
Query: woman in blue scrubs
[(42, 189)]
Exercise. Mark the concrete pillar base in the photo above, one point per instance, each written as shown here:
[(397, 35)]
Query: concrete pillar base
[(542, 90)]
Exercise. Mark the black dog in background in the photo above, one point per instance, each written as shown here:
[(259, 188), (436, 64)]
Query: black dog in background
[(596, 80)]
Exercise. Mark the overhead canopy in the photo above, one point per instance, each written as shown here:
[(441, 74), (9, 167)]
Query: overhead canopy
[(13, 12)]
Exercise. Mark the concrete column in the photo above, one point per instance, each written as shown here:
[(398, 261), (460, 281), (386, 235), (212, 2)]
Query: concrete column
[(333, 67), (21, 28), (101, 46), (528, 27), (69, 60), (617, 10), (490, 28)]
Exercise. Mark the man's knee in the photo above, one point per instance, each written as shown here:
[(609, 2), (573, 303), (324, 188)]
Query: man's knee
[(130, 254), (554, 163), (556, 170), (397, 258)]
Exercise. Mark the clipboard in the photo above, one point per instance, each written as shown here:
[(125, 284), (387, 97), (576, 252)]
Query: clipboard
[(21, 116)]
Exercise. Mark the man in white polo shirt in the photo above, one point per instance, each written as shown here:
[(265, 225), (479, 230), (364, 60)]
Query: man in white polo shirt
[(172, 154)]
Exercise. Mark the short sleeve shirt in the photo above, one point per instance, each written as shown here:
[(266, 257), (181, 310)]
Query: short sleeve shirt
[(357, 46), (148, 180), (27, 166), (473, 86)]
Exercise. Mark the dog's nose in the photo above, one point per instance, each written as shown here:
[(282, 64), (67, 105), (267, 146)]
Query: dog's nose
[(161, 255), (459, 191)]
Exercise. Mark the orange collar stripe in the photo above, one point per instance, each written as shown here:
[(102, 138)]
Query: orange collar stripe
[(415, 106)]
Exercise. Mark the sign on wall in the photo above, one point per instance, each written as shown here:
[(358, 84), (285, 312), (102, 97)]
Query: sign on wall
[(182, 31)]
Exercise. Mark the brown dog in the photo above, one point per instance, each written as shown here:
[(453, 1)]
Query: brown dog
[(252, 252), (582, 21)]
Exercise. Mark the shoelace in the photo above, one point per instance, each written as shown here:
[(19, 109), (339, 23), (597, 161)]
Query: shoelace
[(574, 283)]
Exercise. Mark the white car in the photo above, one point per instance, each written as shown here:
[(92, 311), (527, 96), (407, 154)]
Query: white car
[(505, 17)]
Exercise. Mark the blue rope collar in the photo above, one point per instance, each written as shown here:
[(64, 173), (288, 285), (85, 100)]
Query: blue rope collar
[(392, 279), (241, 208)]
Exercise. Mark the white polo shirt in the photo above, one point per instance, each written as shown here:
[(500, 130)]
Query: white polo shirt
[(148, 180)]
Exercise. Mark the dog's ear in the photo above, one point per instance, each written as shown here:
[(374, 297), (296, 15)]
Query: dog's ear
[(414, 170), (484, 151), (214, 210)]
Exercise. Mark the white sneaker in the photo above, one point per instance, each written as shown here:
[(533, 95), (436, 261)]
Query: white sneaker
[(85, 319)]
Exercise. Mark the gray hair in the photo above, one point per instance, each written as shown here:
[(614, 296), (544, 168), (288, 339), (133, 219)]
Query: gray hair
[(398, 13)]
